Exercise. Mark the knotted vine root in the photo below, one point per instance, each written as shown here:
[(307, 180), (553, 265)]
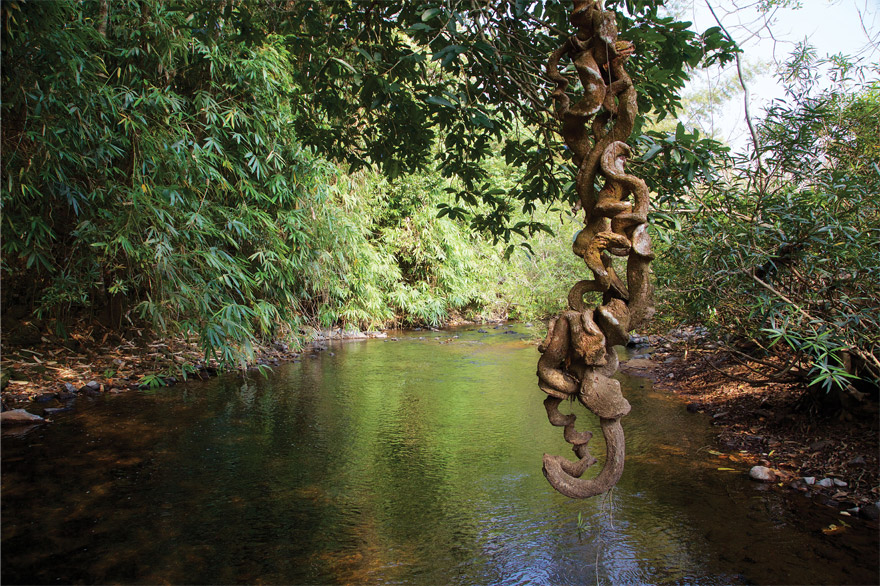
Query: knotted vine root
[(578, 356)]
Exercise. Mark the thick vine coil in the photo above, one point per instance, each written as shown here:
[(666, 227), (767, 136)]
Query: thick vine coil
[(578, 356)]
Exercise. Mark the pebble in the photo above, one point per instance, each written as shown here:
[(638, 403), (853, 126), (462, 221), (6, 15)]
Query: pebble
[(91, 386), (825, 483), (809, 480), (838, 482), (798, 485), (762, 473)]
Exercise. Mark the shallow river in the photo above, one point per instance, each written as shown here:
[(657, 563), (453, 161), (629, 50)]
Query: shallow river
[(388, 462)]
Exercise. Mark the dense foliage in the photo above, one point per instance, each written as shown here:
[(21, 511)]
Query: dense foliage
[(782, 248), (188, 165)]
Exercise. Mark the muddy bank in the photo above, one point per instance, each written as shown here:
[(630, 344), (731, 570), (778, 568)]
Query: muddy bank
[(830, 457)]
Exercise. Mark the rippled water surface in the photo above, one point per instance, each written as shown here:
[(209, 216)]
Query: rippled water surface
[(393, 462)]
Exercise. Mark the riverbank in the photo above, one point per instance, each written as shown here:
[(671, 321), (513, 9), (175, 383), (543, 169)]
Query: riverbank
[(52, 374), (830, 457)]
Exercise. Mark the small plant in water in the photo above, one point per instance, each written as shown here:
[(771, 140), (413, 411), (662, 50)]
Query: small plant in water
[(582, 525)]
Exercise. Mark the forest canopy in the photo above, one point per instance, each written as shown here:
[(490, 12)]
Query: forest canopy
[(177, 162)]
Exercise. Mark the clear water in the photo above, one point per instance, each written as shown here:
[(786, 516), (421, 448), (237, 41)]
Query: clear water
[(393, 462)]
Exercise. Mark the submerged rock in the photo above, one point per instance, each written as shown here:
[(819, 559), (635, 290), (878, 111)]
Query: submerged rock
[(19, 417), (870, 512), (49, 411)]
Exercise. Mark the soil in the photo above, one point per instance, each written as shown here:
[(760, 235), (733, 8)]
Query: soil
[(771, 425)]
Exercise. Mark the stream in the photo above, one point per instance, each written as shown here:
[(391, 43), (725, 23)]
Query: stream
[(409, 461)]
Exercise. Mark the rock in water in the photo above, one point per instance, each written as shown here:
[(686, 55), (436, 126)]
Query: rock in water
[(870, 512), (762, 473), (19, 417)]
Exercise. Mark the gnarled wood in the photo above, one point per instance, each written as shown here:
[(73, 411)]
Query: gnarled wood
[(578, 356)]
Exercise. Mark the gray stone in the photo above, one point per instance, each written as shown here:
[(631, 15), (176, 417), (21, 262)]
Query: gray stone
[(809, 480), (825, 483), (838, 482), (19, 417), (69, 388), (798, 484), (857, 461), (762, 473), (91, 386)]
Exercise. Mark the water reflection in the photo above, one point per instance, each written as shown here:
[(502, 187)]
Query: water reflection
[(384, 462)]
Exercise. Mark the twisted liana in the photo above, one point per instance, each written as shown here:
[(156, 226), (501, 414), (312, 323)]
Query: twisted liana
[(578, 357)]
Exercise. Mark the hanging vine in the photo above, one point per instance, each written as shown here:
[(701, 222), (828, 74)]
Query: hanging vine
[(578, 356)]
